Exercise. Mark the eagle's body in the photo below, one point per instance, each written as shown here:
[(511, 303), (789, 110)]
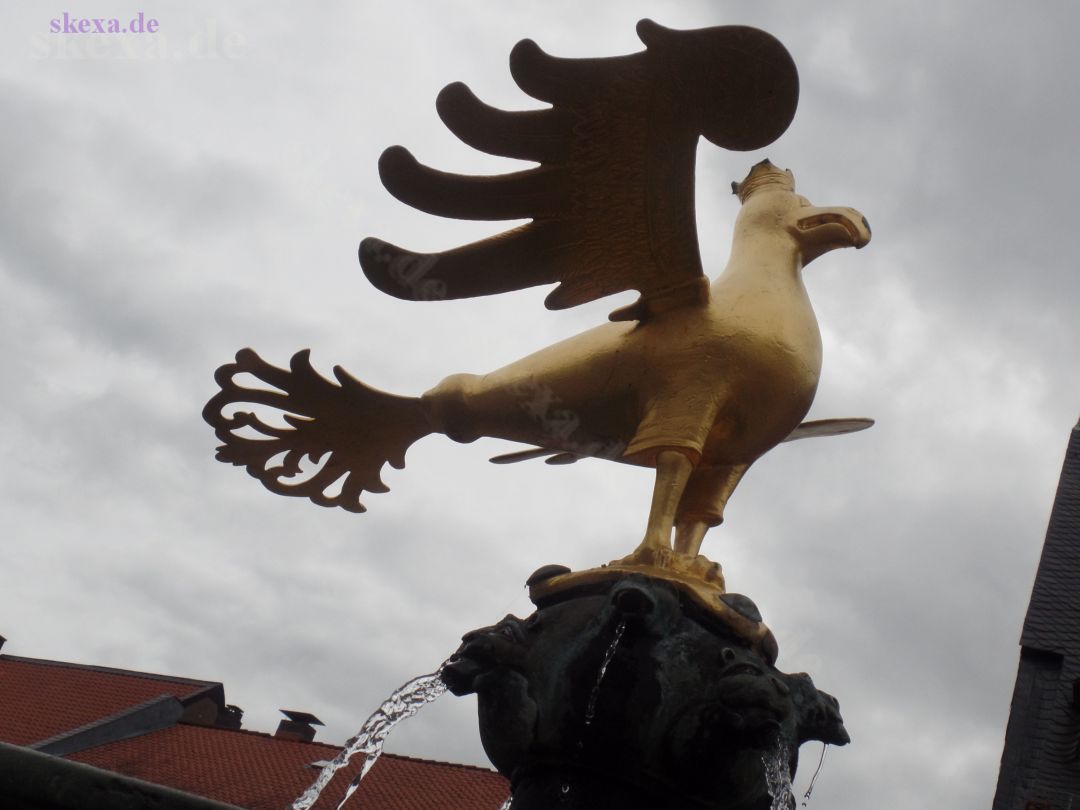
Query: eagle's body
[(684, 378), (721, 373)]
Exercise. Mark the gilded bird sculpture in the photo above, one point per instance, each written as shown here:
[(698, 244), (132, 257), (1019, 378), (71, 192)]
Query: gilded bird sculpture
[(695, 379)]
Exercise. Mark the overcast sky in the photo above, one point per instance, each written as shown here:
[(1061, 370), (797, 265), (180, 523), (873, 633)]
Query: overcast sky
[(168, 200)]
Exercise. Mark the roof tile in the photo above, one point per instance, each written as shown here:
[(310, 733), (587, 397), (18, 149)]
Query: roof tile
[(260, 772), (45, 698)]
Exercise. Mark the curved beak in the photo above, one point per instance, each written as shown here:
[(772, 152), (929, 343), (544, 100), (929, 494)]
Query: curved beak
[(820, 230)]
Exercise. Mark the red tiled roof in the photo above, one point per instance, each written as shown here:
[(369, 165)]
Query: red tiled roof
[(402, 783), (262, 772), (44, 698), (41, 699)]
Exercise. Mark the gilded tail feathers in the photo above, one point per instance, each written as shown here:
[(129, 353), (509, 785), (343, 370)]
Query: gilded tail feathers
[(355, 428)]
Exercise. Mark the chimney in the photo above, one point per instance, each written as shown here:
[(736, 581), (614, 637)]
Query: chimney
[(299, 726), (230, 717), (2, 640)]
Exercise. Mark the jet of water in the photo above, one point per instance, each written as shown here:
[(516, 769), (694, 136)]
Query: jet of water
[(405, 701), (778, 778), (813, 779), (590, 710)]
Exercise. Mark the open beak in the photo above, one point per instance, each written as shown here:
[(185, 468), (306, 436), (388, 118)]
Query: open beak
[(820, 230)]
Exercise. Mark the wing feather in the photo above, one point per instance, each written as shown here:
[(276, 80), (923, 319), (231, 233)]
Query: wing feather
[(519, 195), (464, 272), (538, 135), (557, 80)]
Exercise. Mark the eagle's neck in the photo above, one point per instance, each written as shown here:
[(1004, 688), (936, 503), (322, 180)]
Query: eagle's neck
[(763, 258)]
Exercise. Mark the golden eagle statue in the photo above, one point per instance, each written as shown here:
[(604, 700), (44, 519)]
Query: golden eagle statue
[(695, 379)]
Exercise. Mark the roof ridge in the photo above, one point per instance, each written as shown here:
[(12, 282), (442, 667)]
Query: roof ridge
[(253, 733), (427, 761), (337, 748), (156, 713), (149, 676)]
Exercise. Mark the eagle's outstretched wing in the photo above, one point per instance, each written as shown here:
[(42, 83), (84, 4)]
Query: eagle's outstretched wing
[(612, 199)]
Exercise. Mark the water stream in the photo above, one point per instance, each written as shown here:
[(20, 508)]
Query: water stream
[(817, 772), (777, 777), (405, 701), (590, 710)]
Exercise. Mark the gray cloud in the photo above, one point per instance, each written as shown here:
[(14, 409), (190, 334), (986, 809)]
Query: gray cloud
[(158, 214)]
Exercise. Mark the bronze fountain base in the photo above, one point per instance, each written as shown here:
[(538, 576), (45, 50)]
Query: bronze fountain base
[(638, 686)]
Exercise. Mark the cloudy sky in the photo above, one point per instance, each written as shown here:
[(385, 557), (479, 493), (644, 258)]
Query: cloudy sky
[(167, 200)]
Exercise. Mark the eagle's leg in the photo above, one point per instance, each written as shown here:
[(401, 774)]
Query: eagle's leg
[(673, 468), (688, 535), (701, 506)]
